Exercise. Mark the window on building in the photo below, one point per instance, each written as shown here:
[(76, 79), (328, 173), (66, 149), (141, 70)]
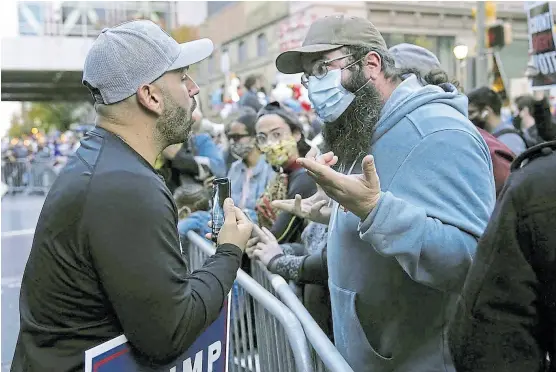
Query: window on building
[(262, 45), (393, 39), (225, 60), (441, 46), (242, 52), (446, 56), (31, 14), (514, 58), (210, 65), (427, 42)]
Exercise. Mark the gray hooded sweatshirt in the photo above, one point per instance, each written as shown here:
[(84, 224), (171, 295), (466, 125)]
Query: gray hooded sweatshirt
[(394, 278)]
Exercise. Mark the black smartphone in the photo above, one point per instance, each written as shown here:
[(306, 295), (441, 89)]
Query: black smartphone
[(220, 191)]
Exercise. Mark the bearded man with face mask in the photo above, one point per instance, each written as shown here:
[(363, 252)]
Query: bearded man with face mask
[(106, 257), (411, 183)]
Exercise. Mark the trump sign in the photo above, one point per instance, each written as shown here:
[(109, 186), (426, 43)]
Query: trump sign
[(209, 353)]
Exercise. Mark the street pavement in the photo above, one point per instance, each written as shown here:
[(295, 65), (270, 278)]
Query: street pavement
[(19, 218)]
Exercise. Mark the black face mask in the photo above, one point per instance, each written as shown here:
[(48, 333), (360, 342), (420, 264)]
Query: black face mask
[(517, 122)]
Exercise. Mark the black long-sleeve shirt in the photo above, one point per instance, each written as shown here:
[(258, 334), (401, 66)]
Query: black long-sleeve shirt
[(506, 317), (545, 123), (106, 260)]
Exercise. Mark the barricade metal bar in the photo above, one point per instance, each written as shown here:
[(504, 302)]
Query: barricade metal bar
[(320, 342), (272, 308), (15, 174), (251, 359), (24, 175), (235, 335)]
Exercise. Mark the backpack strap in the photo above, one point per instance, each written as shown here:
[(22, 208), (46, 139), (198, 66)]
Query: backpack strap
[(507, 131), (514, 131)]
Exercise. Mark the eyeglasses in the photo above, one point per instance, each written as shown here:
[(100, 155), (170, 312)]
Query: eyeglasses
[(236, 137), (320, 69), (273, 137), (261, 139)]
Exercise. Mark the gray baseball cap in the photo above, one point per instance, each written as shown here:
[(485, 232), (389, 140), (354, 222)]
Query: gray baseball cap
[(416, 57), (134, 53), (329, 33)]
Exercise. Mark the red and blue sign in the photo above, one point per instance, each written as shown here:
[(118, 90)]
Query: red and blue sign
[(209, 353)]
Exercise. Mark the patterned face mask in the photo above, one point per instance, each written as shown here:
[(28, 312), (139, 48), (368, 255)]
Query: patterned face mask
[(241, 150), (278, 154)]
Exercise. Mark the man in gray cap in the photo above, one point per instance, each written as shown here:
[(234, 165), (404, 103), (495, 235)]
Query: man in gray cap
[(399, 248), (106, 256)]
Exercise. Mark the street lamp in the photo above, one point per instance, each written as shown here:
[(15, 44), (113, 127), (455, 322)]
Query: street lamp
[(460, 52)]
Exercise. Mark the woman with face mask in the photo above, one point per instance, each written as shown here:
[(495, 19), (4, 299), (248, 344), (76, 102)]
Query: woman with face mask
[(280, 137), (250, 173)]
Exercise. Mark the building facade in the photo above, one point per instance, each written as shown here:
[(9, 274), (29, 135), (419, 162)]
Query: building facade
[(87, 19), (252, 34)]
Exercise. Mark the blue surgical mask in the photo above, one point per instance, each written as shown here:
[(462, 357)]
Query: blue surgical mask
[(329, 97)]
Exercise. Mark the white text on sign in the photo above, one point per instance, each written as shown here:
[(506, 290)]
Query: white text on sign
[(540, 23), (213, 353)]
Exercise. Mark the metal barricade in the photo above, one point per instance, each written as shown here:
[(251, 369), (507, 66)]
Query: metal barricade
[(265, 335), (24, 175), (15, 174), (325, 355), (41, 175)]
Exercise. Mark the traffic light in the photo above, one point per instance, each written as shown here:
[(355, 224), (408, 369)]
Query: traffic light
[(498, 34), (495, 36)]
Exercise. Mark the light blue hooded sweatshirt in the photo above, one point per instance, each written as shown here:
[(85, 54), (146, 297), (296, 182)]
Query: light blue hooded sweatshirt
[(395, 277)]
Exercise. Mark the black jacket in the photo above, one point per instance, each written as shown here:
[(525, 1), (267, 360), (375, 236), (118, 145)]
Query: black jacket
[(505, 320), (106, 260), (545, 123)]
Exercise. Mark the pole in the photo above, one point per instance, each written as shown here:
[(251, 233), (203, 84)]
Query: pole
[(463, 73), (459, 77), (482, 62)]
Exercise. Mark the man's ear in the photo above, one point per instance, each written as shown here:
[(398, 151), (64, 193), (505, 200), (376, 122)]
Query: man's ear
[(486, 112), (149, 96), (372, 65)]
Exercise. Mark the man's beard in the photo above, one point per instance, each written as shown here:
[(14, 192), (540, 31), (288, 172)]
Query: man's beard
[(350, 135), (174, 125)]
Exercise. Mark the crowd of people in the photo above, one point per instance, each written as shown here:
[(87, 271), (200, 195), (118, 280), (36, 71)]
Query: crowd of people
[(419, 227), (32, 162)]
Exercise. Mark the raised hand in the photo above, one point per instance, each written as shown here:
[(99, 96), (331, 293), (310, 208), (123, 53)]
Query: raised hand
[(315, 208), (267, 248), (358, 193)]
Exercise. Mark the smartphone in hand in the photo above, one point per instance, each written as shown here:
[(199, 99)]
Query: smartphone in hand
[(221, 190)]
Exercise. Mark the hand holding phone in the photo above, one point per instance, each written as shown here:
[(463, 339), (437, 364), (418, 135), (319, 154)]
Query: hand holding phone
[(236, 229), (229, 224), (220, 191)]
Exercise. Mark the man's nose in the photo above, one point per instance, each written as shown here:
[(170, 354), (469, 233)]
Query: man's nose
[(192, 88)]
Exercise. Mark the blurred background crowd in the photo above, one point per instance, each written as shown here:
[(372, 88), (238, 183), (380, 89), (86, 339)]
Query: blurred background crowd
[(250, 119)]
